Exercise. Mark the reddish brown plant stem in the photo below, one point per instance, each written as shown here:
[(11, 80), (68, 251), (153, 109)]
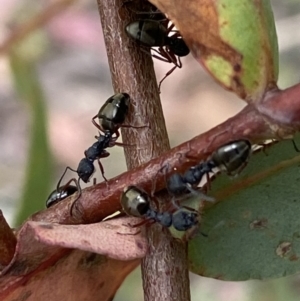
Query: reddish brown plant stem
[(132, 72), (97, 201)]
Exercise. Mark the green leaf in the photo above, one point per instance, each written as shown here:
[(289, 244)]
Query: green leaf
[(39, 170), (248, 27), (235, 40), (253, 230)]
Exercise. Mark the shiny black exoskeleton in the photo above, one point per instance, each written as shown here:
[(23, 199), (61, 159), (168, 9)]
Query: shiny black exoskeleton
[(135, 202), (231, 157), (57, 196), (151, 33), (112, 114), (179, 184), (111, 117)]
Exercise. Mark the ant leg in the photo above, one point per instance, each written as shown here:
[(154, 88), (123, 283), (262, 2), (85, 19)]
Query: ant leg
[(164, 169), (176, 33), (190, 209), (102, 170), (161, 57), (173, 206), (177, 206), (147, 51), (166, 55), (170, 56), (79, 195), (208, 182), (124, 144), (295, 146), (134, 126), (175, 203), (104, 154), (69, 182), (113, 142), (113, 139), (96, 124), (264, 147), (200, 194), (179, 63), (58, 184), (170, 28), (155, 201), (167, 74)]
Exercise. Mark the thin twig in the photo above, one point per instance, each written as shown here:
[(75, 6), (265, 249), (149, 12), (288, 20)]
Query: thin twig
[(132, 72)]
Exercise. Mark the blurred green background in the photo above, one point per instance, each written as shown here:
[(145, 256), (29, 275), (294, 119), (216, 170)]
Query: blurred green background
[(55, 81)]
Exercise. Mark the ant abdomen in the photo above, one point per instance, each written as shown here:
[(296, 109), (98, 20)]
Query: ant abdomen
[(57, 196)]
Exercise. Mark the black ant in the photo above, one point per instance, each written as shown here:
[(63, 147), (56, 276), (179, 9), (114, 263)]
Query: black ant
[(231, 157), (111, 116), (136, 202), (152, 33)]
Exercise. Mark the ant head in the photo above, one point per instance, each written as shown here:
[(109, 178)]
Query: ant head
[(135, 202), (178, 46)]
